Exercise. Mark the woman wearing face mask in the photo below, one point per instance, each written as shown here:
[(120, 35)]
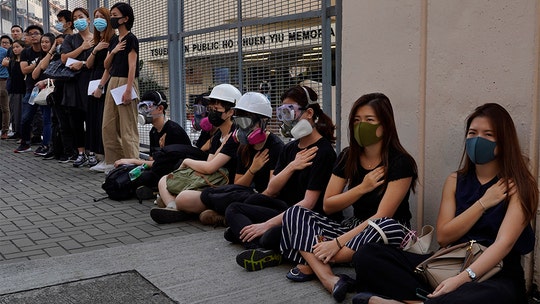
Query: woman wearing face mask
[(378, 174), (256, 158), (103, 33), (491, 199), (77, 46), (119, 129), (299, 178)]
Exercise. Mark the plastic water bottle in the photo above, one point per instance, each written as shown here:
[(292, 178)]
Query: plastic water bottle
[(35, 92), (137, 171)]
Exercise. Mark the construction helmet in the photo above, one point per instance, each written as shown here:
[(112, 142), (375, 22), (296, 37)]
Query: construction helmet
[(225, 92), (256, 103)]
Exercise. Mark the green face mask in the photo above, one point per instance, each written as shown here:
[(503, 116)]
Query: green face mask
[(365, 134)]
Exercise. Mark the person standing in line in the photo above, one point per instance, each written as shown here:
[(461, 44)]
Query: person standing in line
[(103, 33), (16, 105), (30, 58), (16, 89), (5, 44), (63, 147), (119, 129), (78, 46)]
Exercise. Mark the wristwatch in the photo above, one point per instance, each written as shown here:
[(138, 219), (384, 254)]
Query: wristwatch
[(471, 273), (84, 63), (99, 86)]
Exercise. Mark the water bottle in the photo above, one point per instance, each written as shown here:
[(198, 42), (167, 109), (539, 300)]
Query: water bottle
[(137, 171), (35, 92)]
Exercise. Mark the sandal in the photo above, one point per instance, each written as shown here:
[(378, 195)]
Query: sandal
[(297, 276)]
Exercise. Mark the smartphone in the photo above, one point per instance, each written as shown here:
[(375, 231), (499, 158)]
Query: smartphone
[(422, 294)]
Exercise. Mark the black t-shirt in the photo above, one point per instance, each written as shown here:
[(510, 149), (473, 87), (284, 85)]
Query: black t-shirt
[(76, 89), (29, 55), (175, 135), (17, 83), (314, 177), (260, 181), (399, 166), (229, 149), (120, 65)]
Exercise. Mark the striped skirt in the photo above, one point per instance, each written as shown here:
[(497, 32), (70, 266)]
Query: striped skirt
[(302, 228)]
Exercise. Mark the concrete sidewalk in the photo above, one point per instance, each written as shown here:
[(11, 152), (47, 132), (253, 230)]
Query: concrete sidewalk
[(52, 232)]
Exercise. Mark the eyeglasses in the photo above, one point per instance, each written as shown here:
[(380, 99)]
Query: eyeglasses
[(34, 34), (287, 112)]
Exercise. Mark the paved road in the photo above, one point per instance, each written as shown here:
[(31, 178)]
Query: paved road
[(47, 209)]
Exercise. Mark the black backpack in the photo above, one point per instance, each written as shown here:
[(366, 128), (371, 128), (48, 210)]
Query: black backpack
[(117, 184)]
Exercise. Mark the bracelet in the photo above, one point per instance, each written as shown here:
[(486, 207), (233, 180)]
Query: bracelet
[(249, 170), (481, 204), (50, 53), (338, 244), (93, 53)]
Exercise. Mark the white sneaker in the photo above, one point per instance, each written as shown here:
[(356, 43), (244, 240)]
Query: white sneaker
[(102, 167)]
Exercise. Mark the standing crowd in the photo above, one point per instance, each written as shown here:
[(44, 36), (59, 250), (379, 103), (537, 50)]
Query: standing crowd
[(282, 202)]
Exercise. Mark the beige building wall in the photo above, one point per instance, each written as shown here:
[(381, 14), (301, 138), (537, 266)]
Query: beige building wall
[(437, 61)]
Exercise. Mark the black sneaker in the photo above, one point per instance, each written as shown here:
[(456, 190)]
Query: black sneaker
[(63, 159), (80, 161), (23, 148), (257, 259), (92, 160), (41, 151), (14, 136), (50, 155), (167, 215)]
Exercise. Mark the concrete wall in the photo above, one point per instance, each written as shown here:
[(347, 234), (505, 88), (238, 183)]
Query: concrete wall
[(437, 61)]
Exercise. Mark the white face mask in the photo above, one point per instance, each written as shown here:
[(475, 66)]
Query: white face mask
[(302, 129)]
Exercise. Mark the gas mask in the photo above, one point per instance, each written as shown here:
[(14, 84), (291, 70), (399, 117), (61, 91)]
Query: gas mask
[(247, 133), (145, 109), (292, 126), (199, 120)]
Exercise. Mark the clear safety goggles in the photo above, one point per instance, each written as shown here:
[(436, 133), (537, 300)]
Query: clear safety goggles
[(146, 107), (199, 109), (287, 112), (243, 122)]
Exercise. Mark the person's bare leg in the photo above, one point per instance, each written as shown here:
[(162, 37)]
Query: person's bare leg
[(323, 271), (165, 195), (190, 201)]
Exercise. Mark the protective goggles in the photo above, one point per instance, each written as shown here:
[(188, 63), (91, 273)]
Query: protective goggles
[(146, 107), (244, 122), (199, 109), (287, 112)]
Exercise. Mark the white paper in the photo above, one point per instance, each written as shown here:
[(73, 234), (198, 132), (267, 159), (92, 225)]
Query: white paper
[(92, 86), (71, 61), (118, 92)]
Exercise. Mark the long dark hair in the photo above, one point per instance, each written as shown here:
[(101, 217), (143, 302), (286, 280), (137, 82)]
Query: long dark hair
[(323, 123), (390, 140), (512, 163)]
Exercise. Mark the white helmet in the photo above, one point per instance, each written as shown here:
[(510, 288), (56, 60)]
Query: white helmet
[(256, 103), (225, 92)]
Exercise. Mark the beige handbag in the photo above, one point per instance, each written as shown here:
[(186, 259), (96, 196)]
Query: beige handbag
[(451, 261), (41, 98), (419, 244)]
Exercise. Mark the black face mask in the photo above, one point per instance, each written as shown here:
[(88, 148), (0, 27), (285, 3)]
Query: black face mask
[(114, 22), (215, 118)]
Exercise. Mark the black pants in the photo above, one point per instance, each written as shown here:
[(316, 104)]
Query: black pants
[(389, 271), (66, 132), (257, 208)]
